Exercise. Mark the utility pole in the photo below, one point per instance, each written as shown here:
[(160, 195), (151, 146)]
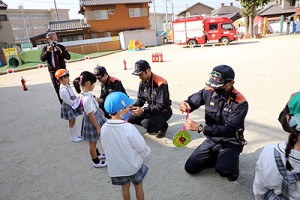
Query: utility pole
[(155, 25), (25, 25), (166, 15), (172, 11), (56, 10)]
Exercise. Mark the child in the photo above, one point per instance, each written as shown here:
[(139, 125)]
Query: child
[(124, 146), (67, 95), (93, 118), (278, 167)]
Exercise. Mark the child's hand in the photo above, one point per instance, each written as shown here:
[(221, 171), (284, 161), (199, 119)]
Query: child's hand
[(99, 131)]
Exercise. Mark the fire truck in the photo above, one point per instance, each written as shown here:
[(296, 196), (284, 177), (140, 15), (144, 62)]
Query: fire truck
[(200, 30)]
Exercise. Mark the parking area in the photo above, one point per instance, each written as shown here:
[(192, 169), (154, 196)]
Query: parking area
[(39, 162)]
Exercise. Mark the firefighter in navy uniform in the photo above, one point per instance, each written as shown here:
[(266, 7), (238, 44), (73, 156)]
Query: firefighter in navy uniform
[(109, 85), (152, 109), (225, 112)]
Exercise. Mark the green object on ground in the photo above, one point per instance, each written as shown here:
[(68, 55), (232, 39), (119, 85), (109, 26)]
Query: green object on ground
[(13, 62), (181, 139)]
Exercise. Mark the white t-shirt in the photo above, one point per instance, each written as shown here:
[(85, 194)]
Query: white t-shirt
[(65, 93), (89, 102), (124, 148), (267, 176)]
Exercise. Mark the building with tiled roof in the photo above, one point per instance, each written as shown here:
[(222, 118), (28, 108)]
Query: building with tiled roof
[(72, 24), (196, 9), (66, 30), (3, 6), (110, 17), (231, 11), (289, 9), (273, 11)]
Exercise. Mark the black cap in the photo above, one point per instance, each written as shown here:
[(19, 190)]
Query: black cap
[(141, 66), (99, 71), (220, 76)]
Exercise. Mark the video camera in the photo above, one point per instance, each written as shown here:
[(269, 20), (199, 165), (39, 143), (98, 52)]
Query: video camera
[(54, 44)]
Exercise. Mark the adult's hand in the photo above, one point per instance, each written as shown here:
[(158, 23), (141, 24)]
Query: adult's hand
[(184, 106), (136, 111), (191, 125), (49, 48)]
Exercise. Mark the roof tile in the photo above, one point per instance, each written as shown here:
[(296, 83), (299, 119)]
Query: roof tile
[(223, 10), (2, 5), (275, 9), (67, 25)]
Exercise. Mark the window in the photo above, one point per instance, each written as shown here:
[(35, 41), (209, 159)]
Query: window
[(3, 18), (100, 14), (72, 38), (213, 27), (227, 26), (110, 12), (107, 34), (292, 2), (135, 12), (94, 35)]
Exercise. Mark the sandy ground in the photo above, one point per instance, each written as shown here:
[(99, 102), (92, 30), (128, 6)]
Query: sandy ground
[(39, 162)]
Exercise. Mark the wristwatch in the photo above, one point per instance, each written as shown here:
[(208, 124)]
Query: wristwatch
[(200, 128)]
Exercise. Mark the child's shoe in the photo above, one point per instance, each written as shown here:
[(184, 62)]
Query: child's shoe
[(75, 139), (74, 135), (101, 156), (101, 164)]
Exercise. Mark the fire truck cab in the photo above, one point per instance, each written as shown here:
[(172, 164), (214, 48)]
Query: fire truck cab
[(199, 30)]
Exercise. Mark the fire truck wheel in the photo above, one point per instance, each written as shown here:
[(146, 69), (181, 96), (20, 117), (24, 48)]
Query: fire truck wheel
[(225, 40), (192, 42)]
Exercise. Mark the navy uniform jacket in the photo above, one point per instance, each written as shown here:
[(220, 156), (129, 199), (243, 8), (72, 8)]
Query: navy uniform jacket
[(47, 56), (156, 94), (112, 85), (224, 115)]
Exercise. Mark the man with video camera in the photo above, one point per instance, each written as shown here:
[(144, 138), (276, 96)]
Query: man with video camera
[(55, 55)]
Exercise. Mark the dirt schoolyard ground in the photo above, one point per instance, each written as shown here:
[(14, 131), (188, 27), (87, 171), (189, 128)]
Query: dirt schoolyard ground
[(39, 162)]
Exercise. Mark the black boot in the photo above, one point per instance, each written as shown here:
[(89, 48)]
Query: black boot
[(162, 132)]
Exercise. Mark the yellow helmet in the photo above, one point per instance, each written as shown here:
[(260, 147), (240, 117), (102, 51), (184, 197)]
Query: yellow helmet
[(60, 73)]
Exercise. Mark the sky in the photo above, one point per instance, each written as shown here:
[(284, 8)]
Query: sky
[(73, 5)]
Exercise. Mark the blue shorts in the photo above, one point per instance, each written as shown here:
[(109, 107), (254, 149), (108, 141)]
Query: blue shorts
[(136, 178)]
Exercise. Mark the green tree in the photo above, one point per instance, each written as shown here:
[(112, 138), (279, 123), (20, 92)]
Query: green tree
[(248, 11)]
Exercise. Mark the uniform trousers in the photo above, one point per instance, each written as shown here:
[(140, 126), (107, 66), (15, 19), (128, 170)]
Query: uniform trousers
[(56, 85), (224, 157), (152, 122)]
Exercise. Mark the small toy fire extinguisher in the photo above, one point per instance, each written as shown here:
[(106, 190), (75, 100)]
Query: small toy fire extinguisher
[(161, 57), (156, 57), (153, 57), (23, 83), (124, 62)]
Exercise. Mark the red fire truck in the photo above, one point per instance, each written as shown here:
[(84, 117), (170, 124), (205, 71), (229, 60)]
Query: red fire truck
[(200, 30)]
